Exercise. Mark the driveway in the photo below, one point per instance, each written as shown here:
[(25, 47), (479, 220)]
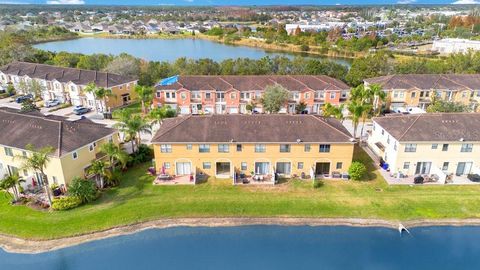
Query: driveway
[(9, 103)]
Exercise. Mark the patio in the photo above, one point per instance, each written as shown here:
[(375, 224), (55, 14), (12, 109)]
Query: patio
[(173, 180), (392, 180)]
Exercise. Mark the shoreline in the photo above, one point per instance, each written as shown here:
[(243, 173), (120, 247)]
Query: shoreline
[(273, 48), (14, 244)]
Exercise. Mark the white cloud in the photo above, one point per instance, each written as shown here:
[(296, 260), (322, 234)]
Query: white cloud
[(466, 2), (189, 1), (404, 2), (65, 2)]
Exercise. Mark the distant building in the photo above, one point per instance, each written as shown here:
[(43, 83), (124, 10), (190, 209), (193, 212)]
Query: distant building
[(455, 45), (232, 94), (290, 28), (418, 90), (68, 84)]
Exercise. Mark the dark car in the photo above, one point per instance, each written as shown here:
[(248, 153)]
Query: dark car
[(21, 99), (473, 177), (79, 110)]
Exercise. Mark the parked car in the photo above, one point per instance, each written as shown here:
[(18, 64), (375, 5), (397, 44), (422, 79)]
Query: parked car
[(79, 110), (473, 177), (21, 99), (52, 103)]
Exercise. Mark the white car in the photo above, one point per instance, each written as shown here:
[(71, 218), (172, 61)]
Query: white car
[(52, 103)]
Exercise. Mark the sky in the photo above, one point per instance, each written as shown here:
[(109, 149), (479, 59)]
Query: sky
[(236, 2)]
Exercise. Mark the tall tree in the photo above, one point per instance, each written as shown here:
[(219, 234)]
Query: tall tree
[(99, 169), (133, 127), (274, 98), (37, 160), (145, 93), (99, 94), (328, 110)]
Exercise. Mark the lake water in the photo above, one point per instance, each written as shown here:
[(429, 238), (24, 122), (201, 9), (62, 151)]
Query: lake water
[(267, 247), (164, 49)]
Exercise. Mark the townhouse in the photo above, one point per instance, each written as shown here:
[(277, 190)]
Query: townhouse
[(76, 144), (418, 90), (233, 94), (68, 84), (223, 146), (441, 144)]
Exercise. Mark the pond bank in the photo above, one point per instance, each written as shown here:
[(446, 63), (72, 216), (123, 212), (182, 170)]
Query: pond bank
[(20, 245)]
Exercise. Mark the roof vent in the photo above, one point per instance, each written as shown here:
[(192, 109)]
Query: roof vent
[(462, 139), (299, 140)]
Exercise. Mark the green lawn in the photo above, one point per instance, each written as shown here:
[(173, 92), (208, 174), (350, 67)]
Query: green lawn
[(138, 200), (134, 108)]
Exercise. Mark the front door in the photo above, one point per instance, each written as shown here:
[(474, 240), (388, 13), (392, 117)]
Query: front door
[(463, 168), (184, 168), (423, 168)]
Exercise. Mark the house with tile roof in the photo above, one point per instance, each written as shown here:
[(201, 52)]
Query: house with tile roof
[(418, 90), (75, 144), (232, 94), (258, 145), (443, 144), (68, 84)]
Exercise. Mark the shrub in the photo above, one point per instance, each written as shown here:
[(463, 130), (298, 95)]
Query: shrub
[(65, 203), (304, 48), (143, 154), (317, 183), (357, 170), (84, 189)]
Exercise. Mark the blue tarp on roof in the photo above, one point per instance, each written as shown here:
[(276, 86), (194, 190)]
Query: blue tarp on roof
[(169, 80)]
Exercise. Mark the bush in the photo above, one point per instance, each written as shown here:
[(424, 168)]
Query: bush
[(143, 154), (65, 203), (84, 189), (317, 183), (304, 48), (357, 170)]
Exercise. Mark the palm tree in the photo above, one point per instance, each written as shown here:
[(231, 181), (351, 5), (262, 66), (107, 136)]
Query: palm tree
[(146, 95), (114, 154), (99, 93), (333, 111), (99, 168), (12, 182), (158, 114), (378, 96), (133, 127), (356, 110), (37, 162)]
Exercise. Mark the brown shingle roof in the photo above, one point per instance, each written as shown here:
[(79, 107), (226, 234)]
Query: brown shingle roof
[(65, 75), (256, 82), (251, 128), (18, 130), (428, 81), (438, 127)]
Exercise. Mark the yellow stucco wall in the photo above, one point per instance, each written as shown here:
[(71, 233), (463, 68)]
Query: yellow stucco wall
[(338, 153), (64, 168), (116, 100)]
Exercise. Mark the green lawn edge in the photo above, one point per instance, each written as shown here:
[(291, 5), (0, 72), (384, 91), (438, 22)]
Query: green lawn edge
[(137, 200)]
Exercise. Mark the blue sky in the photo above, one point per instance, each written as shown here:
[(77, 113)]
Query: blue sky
[(236, 2)]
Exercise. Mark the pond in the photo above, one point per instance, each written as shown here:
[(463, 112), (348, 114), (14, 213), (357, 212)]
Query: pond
[(166, 49), (267, 247)]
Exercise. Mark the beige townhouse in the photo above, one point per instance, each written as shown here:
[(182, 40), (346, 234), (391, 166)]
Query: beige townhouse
[(68, 84), (418, 90), (76, 144), (443, 144)]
